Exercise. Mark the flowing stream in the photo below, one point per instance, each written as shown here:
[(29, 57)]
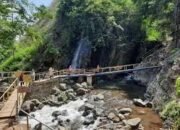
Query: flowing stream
[(116, 95)]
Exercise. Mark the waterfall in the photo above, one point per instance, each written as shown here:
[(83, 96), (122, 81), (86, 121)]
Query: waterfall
[(81, 54)]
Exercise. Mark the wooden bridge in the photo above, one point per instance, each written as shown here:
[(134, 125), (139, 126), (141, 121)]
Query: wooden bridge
[(66, 73)]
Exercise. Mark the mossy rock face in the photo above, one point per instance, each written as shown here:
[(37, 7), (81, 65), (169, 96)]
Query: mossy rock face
[(178, 87)]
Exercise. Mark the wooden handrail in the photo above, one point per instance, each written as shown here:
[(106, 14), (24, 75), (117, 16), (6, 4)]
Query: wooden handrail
[(9, 88), (36, 120)]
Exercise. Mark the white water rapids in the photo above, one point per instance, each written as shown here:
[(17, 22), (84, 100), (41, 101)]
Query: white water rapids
[(75, 117)]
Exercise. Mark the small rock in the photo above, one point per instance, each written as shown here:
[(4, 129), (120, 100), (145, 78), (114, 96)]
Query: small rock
[(84, 85), (56, 113), (121, 116), (126, 115), (111, 115), (89, 106), (134, 122), (139, 102), (77, 85), (28, 106), (62, 86), (98, 97), (99, 111), (61, 128), (116, 119), (81, 91), (125, 110), (55, 90), (149, 104)]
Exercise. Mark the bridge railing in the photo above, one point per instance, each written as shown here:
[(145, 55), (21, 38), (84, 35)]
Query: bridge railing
[(7, 93), (35, 120), (12, 74), (44, 75)]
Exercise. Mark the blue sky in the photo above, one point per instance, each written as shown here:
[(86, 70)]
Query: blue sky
[(41, 2)]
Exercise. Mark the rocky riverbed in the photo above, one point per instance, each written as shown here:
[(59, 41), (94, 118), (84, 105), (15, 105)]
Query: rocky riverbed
[(77, 106)]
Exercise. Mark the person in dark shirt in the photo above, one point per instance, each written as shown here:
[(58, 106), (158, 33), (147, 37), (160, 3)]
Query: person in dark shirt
[(21, 79)]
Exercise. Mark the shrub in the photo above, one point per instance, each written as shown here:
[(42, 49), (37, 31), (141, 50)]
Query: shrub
[(178, 87), (172, 111)]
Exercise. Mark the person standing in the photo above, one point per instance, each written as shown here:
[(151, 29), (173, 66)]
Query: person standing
[(51, 72)]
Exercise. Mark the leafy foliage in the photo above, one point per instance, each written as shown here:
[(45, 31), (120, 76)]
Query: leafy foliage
[(172, 111), (178, 87)]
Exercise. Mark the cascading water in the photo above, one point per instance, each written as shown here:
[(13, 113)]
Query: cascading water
[(81, 54)]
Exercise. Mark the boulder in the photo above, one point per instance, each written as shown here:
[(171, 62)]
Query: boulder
[(84, 85), (134, 122), (98, 97), (38, 127), (89, 106), (77, 86), (36, 102), (121, 116), (116, 119), (99, 112), (111, 115), (28, 106), (62, 86), (62, 97), (55, 90), (149, 104), (81, 91), (61, 128), (125, 110), (71, 96), (139, 102), (56, 113)]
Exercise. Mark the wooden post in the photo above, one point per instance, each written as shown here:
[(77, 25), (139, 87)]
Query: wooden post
[(89, 79), (27, 122)]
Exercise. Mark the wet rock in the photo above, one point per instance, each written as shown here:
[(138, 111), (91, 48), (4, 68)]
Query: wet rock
[(38, 127), (139, 102), (133, 122), (28, 106), (71, 96), (84, 85), (36, 102), (77, 86), (89, 106), (125, 110), (81, 91), (61, 128), (126, 115), (116, 119), (112, 116), (149, 104), (55, 90), (98, 97), (121, 116), (99, 112), (62, 97), (56, 113), (62, 86)]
